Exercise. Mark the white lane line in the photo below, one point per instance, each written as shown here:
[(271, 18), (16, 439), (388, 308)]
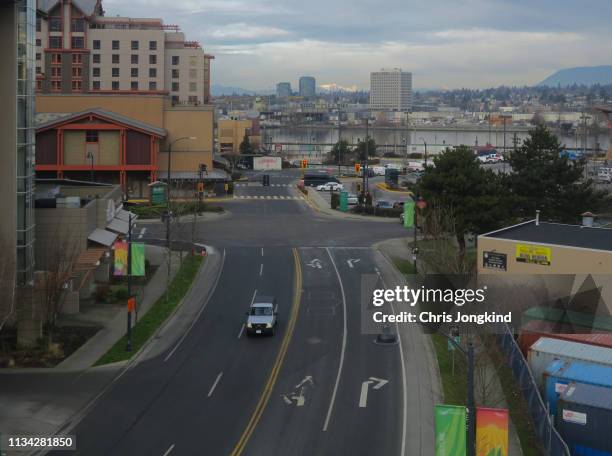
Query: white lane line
[(169, 450), (197, 317), (142, 232), (253, 298), (212, 388), (241, 331), (344, 335), (403, 364), (261, 270), (262, 254)]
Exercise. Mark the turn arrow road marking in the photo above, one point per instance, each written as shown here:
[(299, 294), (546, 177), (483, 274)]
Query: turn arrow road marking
[(378, 384)]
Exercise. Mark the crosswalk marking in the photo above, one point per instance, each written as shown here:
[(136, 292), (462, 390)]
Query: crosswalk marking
[(258, 184), (268, 197)]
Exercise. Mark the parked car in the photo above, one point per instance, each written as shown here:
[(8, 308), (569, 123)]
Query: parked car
[(398, 205), (383, 204), (352, 199), (330, 187), (261, 317), (402, 218)]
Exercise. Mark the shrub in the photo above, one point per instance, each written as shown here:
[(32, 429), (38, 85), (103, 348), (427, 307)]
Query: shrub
[(121, 294), (415, 155), (371, 210)]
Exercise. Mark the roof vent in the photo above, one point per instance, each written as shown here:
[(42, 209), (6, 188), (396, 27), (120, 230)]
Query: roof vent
[(587, 219)]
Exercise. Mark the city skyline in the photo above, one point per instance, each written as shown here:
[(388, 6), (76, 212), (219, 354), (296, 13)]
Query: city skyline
[(473, 43)]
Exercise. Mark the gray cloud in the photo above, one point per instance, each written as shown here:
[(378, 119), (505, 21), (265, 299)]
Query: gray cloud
[(446, 43)]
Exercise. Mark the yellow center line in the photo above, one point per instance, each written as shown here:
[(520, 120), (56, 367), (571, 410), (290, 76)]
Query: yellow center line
[(267, 391)]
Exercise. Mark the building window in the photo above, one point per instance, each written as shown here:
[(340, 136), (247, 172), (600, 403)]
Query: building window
[(56, 86), (96, 58), (38, 24), (134, 45), (38, 56), (115, 45), (134, 59), (175, 86), (38, 42), (115, 72), (152, 85), (55, 24), (56, 58), (175, 99), (193, 73), (152, 72), (77, 72), (91, 136), (38, 70), (115, 58), (193, 99), (56, 72), (134, 85), (134, 72), (152, 59), (175, 60), (175, 73), (152, 45), (96, 72), (39, 84), (96, 85), (78, 25), (96, 44), (193, 60), (77, 59), (55, 42), (78, 42), (193, 86), (77, 84), (115, 85)]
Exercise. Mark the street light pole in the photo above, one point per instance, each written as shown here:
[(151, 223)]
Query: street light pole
[(425, 143), (129, 285)]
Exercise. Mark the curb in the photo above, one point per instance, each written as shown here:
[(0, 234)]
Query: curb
[(383, 187)]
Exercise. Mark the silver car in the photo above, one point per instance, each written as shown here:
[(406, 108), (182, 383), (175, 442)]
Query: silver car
[(261, 317)]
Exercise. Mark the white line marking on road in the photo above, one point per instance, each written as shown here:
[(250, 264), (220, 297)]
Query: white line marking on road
[(197, 317), (262, 254), (260, 269), (169, 450), (403, 364), (142, 232), (344, 335), (212, 388), (241, 331), (253, 298), (351, 262), (363, 398)]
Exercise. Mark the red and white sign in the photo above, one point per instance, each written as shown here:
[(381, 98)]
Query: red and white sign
[(574, 417), (267, 163)]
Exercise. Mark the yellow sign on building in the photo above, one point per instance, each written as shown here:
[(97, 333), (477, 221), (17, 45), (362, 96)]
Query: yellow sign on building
[(534, 254)]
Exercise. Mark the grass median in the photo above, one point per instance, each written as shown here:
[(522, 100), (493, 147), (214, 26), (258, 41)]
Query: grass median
[(157, 314)]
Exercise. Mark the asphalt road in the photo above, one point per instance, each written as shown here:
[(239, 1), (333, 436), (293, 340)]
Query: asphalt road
[(318, 387)]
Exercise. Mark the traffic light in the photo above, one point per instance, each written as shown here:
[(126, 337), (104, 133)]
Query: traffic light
[(357, 167), (304, 163)]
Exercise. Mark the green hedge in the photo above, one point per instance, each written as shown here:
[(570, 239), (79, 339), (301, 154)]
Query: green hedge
[(371, 210)]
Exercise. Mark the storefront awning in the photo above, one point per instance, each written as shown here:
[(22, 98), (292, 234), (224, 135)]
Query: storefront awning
[(124, 215), (119, 226), (102, 237)]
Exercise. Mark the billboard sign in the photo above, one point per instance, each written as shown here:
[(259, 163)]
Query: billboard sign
[(408, 214), (491, 432), (533, 254), (495, 260)]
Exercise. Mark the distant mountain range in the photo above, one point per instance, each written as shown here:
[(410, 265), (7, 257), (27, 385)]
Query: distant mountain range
[(580, 75), (217, 90)]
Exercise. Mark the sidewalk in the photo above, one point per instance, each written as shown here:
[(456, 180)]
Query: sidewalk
[(319, 204), (115, 325), (398, 249)]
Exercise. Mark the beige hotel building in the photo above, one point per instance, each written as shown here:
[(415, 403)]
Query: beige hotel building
[(80, 50)]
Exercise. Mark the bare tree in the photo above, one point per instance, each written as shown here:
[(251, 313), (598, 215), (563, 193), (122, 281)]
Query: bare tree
[(8, 278), (442, 255), (60, 258)]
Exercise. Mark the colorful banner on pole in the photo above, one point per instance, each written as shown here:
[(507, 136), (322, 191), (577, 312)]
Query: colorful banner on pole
[(450, 430), (138, 259), (408, 214), (121, 259), (491, 432)]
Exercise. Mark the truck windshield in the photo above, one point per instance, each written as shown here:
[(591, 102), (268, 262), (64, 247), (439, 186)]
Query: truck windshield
[(261, 310)]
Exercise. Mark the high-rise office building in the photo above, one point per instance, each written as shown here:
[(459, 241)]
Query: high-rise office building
[(307, 86), (17, 136), (80, 50), (391, 90), (283, 89)]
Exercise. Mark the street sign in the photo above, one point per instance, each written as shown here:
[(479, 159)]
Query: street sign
[(131, 304), (304, 163), (357, 167), (201, 187), (158, 194)]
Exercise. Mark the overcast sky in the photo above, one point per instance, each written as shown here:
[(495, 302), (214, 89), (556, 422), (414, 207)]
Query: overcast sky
[(445, 43)]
